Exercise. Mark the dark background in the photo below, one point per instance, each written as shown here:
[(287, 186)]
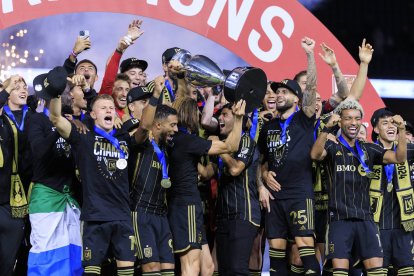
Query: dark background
[(387, 25)]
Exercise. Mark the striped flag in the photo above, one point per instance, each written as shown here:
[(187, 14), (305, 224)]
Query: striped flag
[(55, 236)]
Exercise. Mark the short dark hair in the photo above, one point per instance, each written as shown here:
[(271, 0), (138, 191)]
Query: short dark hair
[(86, 61), (163, 111), (299, 75), (101, 97), (124, 77)]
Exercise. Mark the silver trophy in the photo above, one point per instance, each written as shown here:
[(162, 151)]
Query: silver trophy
[(247, 83)]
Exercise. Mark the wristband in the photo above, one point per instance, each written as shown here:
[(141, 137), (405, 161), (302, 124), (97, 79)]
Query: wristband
[(153, 101), (73, 54)]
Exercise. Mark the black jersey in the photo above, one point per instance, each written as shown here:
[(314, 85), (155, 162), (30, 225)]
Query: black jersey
[(237, 195), (145, 177), (7, 152), (53, 164), (348, 185), (184, 156), (290, 161), (390, 217), (105, 187)]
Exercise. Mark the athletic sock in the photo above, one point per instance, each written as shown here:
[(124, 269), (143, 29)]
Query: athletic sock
[(310, 262), (92, 270), (167, 272), (253, 272), (296, 270), (376, 271), (278, 262), (340, 272), (126, 271), (405, 271)]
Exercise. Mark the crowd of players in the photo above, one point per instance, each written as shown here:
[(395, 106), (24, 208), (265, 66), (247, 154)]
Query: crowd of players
[(162, 177)]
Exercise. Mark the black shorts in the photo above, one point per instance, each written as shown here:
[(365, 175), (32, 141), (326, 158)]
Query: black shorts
[(101, 239), (186, 223), (290, 218), (234, 241), (153, 236), (353, 239), (321, 222), (398, 248)]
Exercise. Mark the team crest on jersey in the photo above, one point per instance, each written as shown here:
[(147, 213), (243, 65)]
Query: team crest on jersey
[(87, 254), (148, 252), (331, 248), (408, 204)]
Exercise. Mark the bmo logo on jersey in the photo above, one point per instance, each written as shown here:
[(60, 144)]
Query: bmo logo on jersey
[(345, 168)]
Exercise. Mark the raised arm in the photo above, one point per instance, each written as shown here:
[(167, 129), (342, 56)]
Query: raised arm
[(400, 155), (309, 95), (63, 126), (148, 113), (133, 33), (208, 121), (365, 56), (232, 142), (81, 44), (318, 151), (328, 56)]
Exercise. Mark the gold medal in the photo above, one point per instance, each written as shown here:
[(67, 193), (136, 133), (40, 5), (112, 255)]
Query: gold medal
[(166, 183), (390, 187)]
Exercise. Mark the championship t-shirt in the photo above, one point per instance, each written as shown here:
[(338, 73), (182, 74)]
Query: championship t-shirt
[(290, 160), (105, 187)]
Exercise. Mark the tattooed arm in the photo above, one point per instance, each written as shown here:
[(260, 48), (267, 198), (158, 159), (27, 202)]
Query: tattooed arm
[(309, 95), (328, 55)]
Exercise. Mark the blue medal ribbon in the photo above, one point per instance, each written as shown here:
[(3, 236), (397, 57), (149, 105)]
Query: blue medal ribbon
[(220, 166), (315, 130), (11, 116), (389, 169), (170, 90), (46, 112), (284, 125), (109, 136), (255, 119), (161, 158), (359, 155)]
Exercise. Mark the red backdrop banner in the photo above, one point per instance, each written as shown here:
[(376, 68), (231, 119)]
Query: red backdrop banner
[(264, 33)]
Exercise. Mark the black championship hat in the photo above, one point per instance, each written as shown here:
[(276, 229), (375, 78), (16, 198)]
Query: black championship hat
[(292, 85), (379, 113), (138, 93), (169, 53), (409, 127), (52, 84), (130, 63)]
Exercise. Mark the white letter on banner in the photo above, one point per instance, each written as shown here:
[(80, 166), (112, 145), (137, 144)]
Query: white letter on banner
[(236, 19), (152, 2), (189, 10), (7, 5), (266, 23)]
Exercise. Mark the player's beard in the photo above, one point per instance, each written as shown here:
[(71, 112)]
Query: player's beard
[(286, 106)]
